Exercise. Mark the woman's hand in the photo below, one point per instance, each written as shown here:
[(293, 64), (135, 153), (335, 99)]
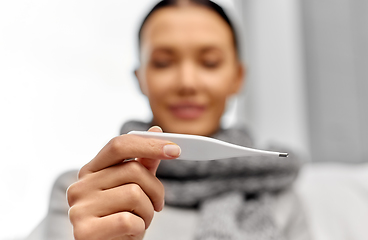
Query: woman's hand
[(113, 199)]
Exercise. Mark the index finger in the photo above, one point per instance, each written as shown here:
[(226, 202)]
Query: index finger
[(130, 146)]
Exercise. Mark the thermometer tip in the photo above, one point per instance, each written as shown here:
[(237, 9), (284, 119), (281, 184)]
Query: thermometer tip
[(283, 154)]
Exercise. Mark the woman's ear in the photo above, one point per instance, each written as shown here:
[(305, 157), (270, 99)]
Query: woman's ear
[(141, 82), (239, 78)]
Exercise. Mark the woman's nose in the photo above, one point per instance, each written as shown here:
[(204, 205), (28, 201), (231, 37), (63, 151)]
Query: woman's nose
[(187, 79)]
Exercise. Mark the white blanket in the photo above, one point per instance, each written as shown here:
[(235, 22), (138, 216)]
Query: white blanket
[(336, 199)]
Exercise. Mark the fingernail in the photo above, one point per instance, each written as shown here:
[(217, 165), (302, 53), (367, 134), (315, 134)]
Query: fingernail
[(157, 127), (172, 150)]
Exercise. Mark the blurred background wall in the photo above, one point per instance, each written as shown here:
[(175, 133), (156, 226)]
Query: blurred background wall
[(308, 76), (335, 36), (273, 102), (67, 85)]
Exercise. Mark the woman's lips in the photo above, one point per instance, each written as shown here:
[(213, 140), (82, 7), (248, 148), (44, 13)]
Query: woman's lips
[(187, 110)]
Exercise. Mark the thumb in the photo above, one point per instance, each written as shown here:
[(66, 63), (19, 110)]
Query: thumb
[(151, 164)]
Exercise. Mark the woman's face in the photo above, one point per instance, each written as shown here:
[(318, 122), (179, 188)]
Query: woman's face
[(188, 68)]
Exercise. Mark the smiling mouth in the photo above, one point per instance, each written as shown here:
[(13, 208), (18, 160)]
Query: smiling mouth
[(187, 111)]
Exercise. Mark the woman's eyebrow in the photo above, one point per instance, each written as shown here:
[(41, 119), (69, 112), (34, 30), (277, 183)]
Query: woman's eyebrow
[(200, 50), (164, 50), (210, 49)]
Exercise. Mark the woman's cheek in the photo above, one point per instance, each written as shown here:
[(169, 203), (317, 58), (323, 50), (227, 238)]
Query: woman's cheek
[(156, 83)]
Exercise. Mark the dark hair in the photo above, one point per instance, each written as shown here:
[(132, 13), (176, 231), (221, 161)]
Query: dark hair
[(205, 3)]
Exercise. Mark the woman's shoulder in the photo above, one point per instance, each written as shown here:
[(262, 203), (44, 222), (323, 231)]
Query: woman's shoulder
[(134, 125), (56, 223), (61, 184), (65, 179)]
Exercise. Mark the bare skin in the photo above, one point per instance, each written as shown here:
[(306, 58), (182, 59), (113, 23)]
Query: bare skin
[(189, 68)]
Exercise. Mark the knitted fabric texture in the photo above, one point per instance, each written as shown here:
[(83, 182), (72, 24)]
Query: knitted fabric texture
[(233, 195)]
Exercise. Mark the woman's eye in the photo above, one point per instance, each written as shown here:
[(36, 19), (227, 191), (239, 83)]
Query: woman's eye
[(161, 63), (210, 63)]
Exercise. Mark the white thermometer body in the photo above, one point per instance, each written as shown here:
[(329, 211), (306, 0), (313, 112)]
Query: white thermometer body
[(201, 148)]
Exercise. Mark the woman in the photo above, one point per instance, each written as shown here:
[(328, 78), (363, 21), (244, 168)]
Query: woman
[(189, 67)]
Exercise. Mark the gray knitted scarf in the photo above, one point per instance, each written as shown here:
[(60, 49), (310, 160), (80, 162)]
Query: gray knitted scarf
[(233, 195)]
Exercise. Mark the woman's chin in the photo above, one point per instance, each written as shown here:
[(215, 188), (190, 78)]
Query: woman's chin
[(203, 128)]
